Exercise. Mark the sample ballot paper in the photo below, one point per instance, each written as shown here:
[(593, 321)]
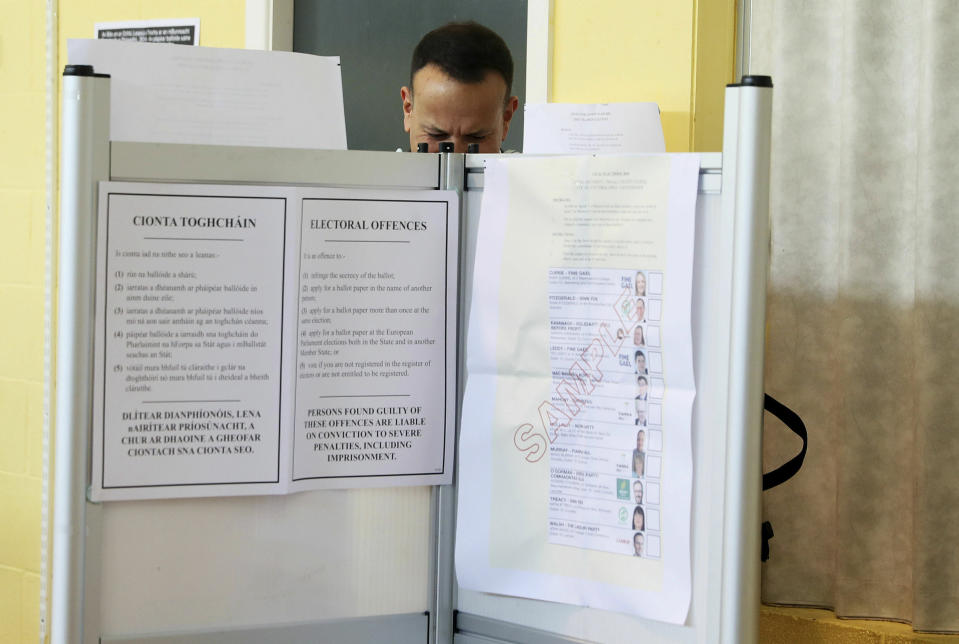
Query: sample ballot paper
[(580, 385), (257, 340)]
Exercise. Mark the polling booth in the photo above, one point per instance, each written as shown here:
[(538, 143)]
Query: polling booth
[(344, 396)]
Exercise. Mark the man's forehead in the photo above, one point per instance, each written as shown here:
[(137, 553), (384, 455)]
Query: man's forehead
[(433, 79), (448, 123)]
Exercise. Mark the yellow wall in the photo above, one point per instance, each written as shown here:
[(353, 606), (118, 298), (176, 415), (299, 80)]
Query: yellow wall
[(714, 62), (677, 54), (22, 243), (22, 203)]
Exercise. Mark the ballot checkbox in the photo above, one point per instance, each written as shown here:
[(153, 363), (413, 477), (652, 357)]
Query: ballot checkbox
[(654, 283), (652, 519), (655, 441), (654, 466), (656, 388), (655, 414), (652, 336), (653, 546), (655, 360), (652, 492), (654, 310)]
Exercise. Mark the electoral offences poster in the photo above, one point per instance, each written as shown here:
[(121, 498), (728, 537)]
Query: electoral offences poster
[(255, 340)]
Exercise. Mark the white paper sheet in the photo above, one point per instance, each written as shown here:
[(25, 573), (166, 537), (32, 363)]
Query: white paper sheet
[(236, 323), (374, 324), (190, 381), (604, 128), (163, 93), (550, 486)]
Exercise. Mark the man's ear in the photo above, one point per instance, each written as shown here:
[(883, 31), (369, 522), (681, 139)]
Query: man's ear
[(406, 94), (511, 106)]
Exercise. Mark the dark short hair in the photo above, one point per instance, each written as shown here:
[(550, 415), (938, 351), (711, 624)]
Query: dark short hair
[(465, 51)]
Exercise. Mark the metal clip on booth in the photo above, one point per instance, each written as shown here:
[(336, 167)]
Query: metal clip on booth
[(377, 565)]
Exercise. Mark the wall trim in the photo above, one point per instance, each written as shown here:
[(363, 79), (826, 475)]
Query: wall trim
[(539, 51), (269, 25), (51, 152)]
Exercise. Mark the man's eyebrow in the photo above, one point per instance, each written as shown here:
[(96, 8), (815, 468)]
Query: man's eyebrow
[(480, 134), (433, 130)]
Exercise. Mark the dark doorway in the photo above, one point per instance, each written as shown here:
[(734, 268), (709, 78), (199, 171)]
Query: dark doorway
[(375, 39)]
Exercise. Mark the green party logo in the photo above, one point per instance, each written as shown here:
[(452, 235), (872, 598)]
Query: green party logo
[(623, 515), (622, 489)]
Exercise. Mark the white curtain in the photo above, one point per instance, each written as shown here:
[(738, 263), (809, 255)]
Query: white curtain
[(863, 308)]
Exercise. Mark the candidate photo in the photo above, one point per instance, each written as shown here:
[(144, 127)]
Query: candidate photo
[(639, 464), (640, 413), (642, 388), (639, 313), (639, 519), (639, 338), (640, 284), (639, 361)]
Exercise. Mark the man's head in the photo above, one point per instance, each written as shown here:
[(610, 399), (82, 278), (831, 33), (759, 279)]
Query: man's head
[(638, 491), (641, 438), (638, 544), (461, 77)]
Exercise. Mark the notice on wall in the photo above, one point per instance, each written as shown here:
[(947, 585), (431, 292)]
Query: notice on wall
[(592, 128), (577, 412), (179, 31), (251, 336)]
